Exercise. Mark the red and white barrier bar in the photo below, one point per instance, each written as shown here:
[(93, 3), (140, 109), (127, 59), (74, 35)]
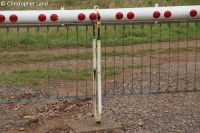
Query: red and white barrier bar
[(107, 15)]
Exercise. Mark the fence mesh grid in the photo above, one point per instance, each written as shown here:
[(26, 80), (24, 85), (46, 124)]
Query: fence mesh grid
[(39, 62)]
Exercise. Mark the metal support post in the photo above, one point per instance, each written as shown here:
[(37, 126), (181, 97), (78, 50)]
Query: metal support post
[(97, 92), (94, 71)]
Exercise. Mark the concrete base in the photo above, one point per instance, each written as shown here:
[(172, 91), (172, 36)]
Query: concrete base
[(89, 125)]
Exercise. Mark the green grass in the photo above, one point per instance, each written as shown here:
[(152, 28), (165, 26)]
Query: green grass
[(24, 40), (38, 77), (27, 58), (24, 58)]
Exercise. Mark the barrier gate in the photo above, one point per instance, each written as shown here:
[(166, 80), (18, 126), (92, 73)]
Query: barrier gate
[(134, 51)]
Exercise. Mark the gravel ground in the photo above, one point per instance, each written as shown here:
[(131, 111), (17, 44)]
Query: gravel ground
[(163, 113), (170, 112), (158, 113), (169, 81), (16, 117)]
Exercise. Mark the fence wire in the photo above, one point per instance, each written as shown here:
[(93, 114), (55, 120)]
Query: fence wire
[(152, 58), (44, 62)]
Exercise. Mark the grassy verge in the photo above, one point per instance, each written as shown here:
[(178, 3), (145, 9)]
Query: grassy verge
[(38, 77), (31, 39)]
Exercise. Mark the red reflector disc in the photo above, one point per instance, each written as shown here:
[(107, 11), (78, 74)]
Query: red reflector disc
[(54, 17), (156, 14), (41, 17), (119, 15), (13, 18), (130, 15)]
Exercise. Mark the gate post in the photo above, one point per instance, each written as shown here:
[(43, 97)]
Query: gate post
[(94, 44), (97, 92)]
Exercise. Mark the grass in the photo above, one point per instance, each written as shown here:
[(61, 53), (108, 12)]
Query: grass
[(24, 58), (138, 66), (27, 58), (38, 77), (31, 39)]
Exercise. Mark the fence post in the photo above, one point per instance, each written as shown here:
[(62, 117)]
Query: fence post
[(94, 71), (97, 92)]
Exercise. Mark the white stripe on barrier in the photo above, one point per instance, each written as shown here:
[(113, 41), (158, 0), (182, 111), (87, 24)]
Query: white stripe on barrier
[(107, 15)]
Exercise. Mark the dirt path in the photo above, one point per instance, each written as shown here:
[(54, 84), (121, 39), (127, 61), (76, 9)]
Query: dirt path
[(82, 64), (109, 60), (136, 47)]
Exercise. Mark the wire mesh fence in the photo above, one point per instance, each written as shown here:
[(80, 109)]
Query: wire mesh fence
[(161, 58), (41, 62)]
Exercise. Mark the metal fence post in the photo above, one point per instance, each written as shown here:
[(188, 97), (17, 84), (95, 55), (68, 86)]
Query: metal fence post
[(97, 92), (94, 71)]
